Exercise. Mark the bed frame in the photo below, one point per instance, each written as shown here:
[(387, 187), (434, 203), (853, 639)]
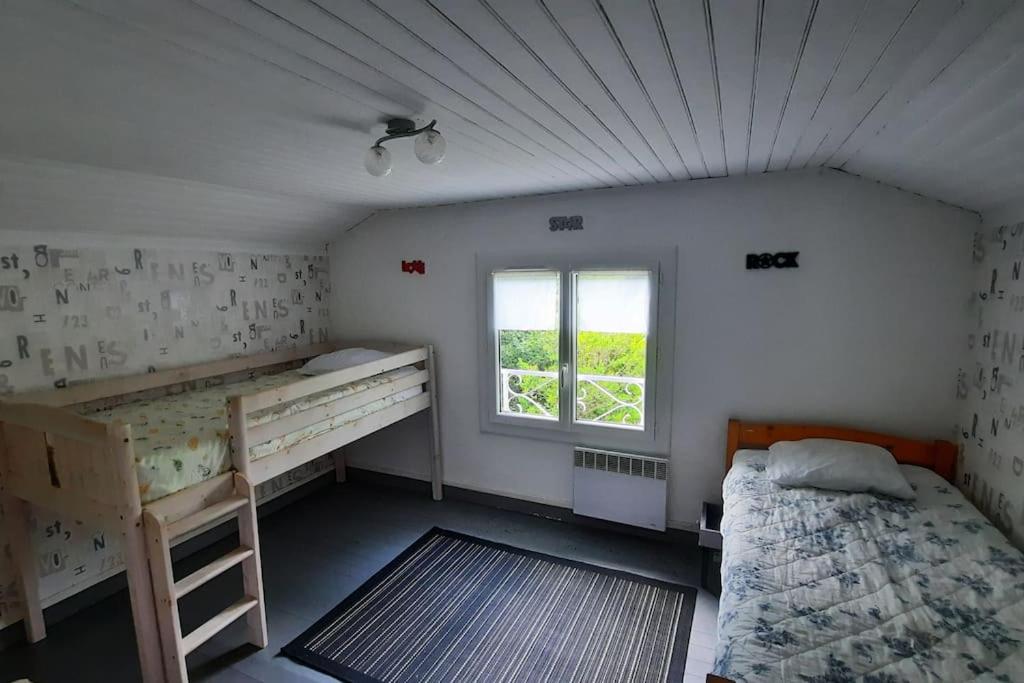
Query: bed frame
[(939, 456), (57, 459)]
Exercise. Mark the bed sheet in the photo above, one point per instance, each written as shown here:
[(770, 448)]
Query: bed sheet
[(182, 439), (828, 586)]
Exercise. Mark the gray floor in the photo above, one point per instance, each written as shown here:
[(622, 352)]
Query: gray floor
[(315, 552)]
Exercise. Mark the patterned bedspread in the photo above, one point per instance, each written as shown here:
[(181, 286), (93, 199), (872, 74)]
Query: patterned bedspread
[(182, 439), (823, 586)]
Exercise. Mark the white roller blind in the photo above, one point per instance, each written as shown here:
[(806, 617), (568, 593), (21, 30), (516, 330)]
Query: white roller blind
[(613, 301), (526, 300)]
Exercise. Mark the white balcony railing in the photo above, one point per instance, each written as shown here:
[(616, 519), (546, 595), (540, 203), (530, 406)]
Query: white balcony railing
[(599, 398)]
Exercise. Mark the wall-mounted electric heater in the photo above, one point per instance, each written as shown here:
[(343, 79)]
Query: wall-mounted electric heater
[(620, 487)]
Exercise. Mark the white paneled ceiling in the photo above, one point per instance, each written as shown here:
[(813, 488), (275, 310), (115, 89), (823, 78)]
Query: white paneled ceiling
[(281, 98)]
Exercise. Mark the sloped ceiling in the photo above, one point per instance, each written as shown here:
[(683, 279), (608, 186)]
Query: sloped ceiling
[(280, 98)]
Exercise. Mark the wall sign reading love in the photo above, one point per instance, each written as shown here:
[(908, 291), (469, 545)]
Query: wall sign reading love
[(416, 266)]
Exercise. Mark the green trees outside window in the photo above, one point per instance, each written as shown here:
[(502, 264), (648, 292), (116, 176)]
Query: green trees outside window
[(602, 358)]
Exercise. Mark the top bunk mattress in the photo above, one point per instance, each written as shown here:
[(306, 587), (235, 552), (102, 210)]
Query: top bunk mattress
[(829, 586), (183, 439)]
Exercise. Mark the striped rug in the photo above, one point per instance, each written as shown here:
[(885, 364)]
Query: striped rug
[(457, 608)]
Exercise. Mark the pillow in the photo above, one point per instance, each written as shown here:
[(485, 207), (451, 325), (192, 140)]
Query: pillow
[(837, 466), (339, 360)]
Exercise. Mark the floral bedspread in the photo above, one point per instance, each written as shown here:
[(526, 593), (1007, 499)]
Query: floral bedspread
[(823, 586), (182, 439)]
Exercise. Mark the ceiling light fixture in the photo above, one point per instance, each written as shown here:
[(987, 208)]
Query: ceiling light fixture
[(430, 146)]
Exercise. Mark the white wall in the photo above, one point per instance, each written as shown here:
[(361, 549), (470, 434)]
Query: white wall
[(865, 333)]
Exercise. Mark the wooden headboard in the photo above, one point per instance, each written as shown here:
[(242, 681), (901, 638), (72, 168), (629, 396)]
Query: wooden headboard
[(939, 456)]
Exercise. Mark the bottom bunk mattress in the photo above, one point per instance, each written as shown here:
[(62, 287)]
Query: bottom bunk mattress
[(828, 586), (183, 439)]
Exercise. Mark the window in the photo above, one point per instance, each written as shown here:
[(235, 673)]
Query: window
[(527, 320), (570, 350), (612, 324)]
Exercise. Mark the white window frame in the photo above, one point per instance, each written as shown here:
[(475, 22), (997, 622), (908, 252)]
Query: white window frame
[(655, 434)]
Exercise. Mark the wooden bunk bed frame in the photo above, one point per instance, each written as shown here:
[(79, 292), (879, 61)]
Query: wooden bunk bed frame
[(66, 462), (938, 456)]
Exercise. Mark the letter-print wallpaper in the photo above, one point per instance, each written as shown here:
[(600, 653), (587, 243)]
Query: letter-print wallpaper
[(68, 315), (990, 385)]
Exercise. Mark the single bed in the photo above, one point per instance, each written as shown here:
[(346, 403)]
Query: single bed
[(183, 439), (829, 586), (161, 456)]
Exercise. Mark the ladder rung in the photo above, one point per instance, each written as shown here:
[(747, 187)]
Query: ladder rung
[(211, 571), (205, 516), (217, 624)]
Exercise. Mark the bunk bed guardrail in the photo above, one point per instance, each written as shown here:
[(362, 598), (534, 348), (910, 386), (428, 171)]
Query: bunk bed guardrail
[(66, 462)]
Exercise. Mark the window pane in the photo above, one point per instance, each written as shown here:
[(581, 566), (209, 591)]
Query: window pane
[(527, 318), (612, 311)]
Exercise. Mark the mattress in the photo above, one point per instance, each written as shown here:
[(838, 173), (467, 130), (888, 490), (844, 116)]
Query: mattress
[(827, 586), (182, 439)]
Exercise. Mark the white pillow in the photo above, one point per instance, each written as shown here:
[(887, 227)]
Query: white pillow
[(339, 360), (837, 466)]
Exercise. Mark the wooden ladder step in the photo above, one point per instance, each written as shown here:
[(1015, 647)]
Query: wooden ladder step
[(205, 516), (217, 624), (211, 571)]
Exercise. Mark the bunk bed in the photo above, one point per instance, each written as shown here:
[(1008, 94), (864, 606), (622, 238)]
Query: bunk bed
[(160, 456), (829, 585)]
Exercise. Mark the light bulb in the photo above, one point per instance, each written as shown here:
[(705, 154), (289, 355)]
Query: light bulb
[(430, 147), (378, 161)]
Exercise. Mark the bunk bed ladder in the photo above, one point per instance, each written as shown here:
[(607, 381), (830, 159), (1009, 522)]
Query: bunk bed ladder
[(162, 534)]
